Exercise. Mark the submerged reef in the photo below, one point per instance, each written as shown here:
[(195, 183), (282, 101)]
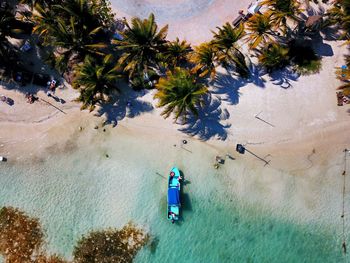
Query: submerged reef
[(110, 245), (21, 241), (20, 235)]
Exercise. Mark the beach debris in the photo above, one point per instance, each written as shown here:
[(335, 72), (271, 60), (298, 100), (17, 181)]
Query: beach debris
[(216, 165), (3, 159), (260, 119), (184, 141), (229, 156), (344, 247), (107, 156), (241, 149), (219, 160), (80, 128), (96, 127)]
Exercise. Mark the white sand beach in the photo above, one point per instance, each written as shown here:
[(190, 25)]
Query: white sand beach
[(190, 20), (300, 130)]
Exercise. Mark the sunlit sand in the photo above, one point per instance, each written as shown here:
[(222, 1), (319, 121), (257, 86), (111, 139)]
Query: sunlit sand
[(67, 173)]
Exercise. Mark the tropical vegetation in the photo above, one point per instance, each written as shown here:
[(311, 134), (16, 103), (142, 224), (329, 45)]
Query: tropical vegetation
[(176, 53), (140, 45), (96, 80), (274, 56), (227, 48), (8, 28), (304, 58), (82, 38), (260, 30), (74, 29), (281, 10), (181, 93), (203, 58)]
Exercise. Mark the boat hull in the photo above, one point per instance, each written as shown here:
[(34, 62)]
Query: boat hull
[(174, 187)]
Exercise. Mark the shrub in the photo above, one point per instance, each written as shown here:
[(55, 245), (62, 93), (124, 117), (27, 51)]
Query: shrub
[(304, 58)]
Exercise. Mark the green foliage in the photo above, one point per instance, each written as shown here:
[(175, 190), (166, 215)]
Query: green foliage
[(144, 81), (309, 67), (110, 245), (228, 51), (176, 53), (259, 28), (339, 15), (227, 37), (304, 58), (274, 56), (75, 27), (180, 93), (140, 45), (8, 54), (203, 58), (96, 80)]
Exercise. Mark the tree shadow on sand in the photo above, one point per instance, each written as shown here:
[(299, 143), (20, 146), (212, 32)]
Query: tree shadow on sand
[(227, 88), (227, 85), (209, 122), (329, 32), (283, 77), (127, 104)]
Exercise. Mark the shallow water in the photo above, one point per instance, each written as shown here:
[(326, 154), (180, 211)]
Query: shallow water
[(82, 190)]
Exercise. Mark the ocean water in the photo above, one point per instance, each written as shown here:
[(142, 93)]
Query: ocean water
[(79, 189)]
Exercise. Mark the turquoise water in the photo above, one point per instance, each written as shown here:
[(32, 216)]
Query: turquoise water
[(81, 190)]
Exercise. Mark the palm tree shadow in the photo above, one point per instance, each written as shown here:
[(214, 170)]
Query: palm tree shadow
[(256, 73), (228, 87), (284, 77), (127, 103), (208, 123)]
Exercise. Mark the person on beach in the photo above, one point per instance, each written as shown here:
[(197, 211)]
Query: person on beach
[(52, 88)]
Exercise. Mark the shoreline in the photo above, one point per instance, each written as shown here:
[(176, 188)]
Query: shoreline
[(300, 131)]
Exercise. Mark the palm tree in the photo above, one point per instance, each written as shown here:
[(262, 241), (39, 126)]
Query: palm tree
[(33, 3), (96, 80), (7, 51), (68, 31), (203, 59), (180, 93), (274, 56), (281, 10), (260, 29), (339, 14), (176, 52), (140, 45), (228, 50)]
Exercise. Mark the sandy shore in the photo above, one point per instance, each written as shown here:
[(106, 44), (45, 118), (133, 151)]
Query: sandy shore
[(293, 122), (300, 129), (190, 20)]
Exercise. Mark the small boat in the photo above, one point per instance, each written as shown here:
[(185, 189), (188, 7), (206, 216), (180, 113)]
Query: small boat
[(174, 203)]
